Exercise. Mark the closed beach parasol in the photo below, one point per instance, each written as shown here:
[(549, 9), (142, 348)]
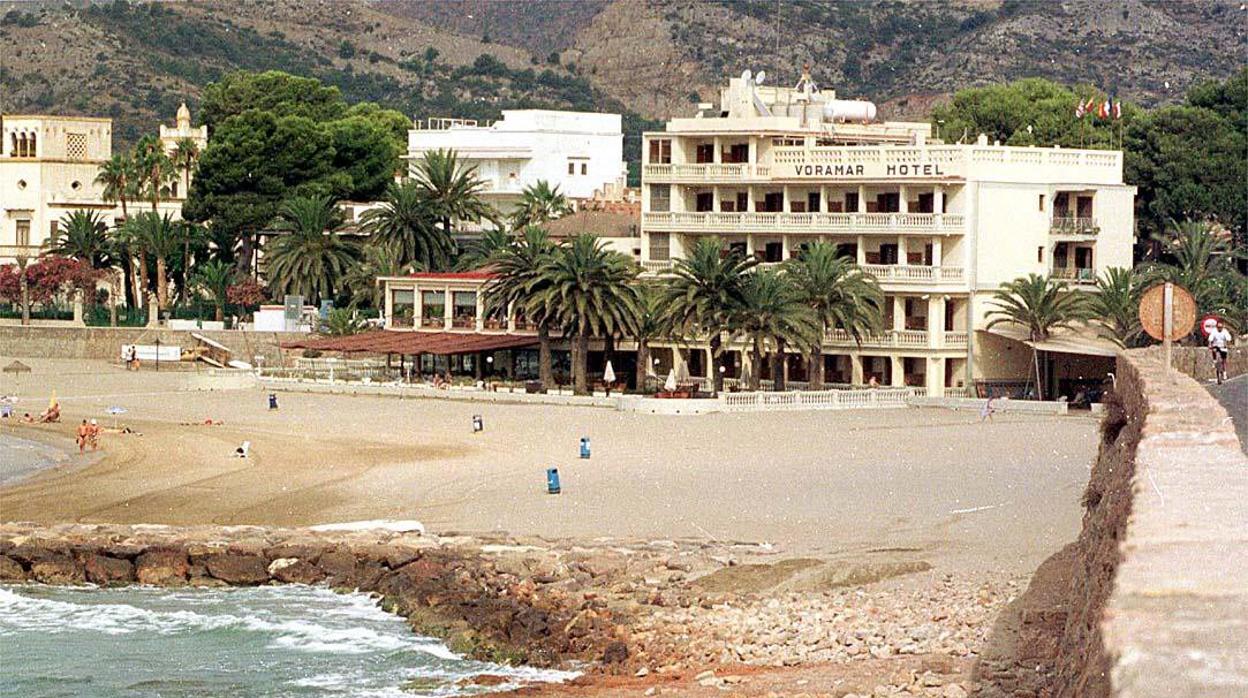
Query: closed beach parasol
[(670, 384), (608, 374)]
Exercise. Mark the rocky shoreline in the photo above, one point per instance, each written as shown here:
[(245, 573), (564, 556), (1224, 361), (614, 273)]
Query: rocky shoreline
[(659, 611)]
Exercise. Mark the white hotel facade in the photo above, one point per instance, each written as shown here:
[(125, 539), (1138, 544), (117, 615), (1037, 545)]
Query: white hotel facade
[(941, 226)]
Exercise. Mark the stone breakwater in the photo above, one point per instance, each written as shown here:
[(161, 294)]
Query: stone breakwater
[(668, 610)]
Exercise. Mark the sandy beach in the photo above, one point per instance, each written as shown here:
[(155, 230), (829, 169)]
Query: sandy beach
[(994, 496)]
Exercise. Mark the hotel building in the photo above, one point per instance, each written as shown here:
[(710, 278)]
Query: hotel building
[(48, 166), (582, 153), (940, 226)]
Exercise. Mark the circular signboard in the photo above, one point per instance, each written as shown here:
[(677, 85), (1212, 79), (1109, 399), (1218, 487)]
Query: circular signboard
[(1208, 324), (1152, 312)]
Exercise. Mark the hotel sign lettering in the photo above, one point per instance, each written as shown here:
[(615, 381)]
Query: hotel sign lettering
[(870, 170)]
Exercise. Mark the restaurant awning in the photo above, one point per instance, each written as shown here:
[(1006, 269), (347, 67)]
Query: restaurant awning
[(1061, 341), (391, 342)]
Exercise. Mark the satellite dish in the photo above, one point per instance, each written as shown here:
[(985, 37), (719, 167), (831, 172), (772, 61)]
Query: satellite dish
[(758, 79), (746, 74)]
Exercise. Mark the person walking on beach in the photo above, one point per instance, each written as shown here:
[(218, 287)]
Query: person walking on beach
[(1219, 341), (986, 412), (84, 431), (93, 435)]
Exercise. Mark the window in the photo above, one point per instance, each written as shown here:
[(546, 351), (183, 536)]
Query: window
[(737, 153), (54, 229), (433, 306), (402, 306), (173, 188), (797, 206), (704, 201), (23, 233), (851, 202), (773, 252), (704, 153), (888, 202), (571, 168), (783, 142), (660, 197), (464, 309), (660, 247), (661, 151), (21, 184), (1042, 203), (813, 201), (743, 201), (76, 146), (1040, 254), (773, 202), (924, 204), (584, 168)]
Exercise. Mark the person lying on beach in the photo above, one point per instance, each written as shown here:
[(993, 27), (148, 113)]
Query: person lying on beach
[(51, 415), (120, 430), (206, 423), (27, 418)]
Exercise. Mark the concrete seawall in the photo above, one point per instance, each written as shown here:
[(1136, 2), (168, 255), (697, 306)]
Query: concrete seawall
[(1159, 596), (105, 342)]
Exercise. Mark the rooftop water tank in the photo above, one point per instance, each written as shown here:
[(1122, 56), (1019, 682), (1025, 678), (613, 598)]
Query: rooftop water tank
[(848, 110)]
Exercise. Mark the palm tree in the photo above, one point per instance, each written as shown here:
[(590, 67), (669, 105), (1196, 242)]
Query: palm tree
[(480, 251), (1041, 305), (454, 191), (539, 203), (773, 311), (703, 294), (361, 279), (1203, 263), (1117, 305), (119, 179), (648, 325), (342, 322), (311, 258), (83, 235), (158, 236), (841, 294), (213, 279), (154, 169), (517, 277), (586, 290), (194, 239), (184, 155), (405, 222)]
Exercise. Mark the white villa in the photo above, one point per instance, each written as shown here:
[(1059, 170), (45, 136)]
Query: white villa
[(582, 153), (48, 166)]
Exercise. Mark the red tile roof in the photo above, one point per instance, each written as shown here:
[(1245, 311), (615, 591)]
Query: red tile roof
[(392, 342), (474, 275)]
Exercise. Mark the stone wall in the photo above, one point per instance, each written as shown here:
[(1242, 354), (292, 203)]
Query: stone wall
[(105, 342), (1160, 586), (1197, 362)]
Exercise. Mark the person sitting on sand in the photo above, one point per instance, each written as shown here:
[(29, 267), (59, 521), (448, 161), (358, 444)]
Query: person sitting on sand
[(27, 418), (243, 451), (51, 415), (81, 435)]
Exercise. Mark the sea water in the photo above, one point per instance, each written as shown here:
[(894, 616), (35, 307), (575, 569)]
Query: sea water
[(20, 458), (264, 641)]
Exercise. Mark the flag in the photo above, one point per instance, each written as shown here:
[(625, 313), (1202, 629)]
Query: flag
[(1091, 104), (1117, 108), (1079, 109), (1103, 110)]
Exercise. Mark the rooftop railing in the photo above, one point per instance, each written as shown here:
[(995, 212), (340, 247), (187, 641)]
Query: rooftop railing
[(719, 222)]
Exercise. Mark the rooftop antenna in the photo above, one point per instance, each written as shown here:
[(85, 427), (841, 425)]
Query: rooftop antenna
[(750, 83)]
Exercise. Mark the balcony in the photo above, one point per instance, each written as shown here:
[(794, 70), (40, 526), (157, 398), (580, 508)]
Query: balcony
[(707, 172), (19, 251), (813, 223), (896, 339), (1079, 226), (913, 274), (1074, 275)]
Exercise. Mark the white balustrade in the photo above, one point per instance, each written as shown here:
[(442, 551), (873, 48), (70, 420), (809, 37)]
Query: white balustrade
[(818, 223)]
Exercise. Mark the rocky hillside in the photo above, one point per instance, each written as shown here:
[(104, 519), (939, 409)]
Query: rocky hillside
[(651, 58)]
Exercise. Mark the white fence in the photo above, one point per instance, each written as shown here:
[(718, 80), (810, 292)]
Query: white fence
[(818, 399)]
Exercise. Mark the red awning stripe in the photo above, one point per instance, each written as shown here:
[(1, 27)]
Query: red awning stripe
[(391, 342)]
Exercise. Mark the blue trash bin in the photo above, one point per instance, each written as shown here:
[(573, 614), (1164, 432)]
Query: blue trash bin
[(552, 481), (585, 447), (272, 401), (478, 424)]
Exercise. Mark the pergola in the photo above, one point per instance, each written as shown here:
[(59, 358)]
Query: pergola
[(391, 342)]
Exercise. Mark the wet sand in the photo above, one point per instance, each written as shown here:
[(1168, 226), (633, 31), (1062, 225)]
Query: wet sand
[(997, 496)]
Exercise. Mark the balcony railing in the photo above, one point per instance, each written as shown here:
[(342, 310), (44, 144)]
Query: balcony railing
[(955, 339), (1076, 225), (892, 339), (706, 172), (713, 222), (15, 251), (464, 322), (1076, 275), (910, 273)]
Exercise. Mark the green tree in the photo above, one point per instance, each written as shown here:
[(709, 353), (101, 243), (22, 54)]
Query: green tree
[(1040, 305), (310, 258), (1032, 111), (342, 322), (772, 311), (1116, 305), (361, 278), (184, 155), (649, 324), (405, 222), (83, 235), (366, 153), (158, 236), (154, 169), (587, 290), (214, 279), (118, 177), (1189, 160), (704, 293), (453, 190), (840, 293), (273, 91), (1200, 257), (481, 250), (539, 203), (517, 278)]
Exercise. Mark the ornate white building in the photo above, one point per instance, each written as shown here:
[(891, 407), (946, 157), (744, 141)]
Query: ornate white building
[(183, 131)]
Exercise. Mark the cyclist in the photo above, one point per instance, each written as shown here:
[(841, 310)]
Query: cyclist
[(1219, 341)]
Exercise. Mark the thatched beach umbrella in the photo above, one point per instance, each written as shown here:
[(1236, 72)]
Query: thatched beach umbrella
[(16, 368)]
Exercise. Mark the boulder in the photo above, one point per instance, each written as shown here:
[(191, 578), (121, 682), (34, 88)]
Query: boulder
[(289, 570), (161, 568), (239, 569), (615, 653), (57, 569), (105, 571), (11, 570), (338, 565)]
